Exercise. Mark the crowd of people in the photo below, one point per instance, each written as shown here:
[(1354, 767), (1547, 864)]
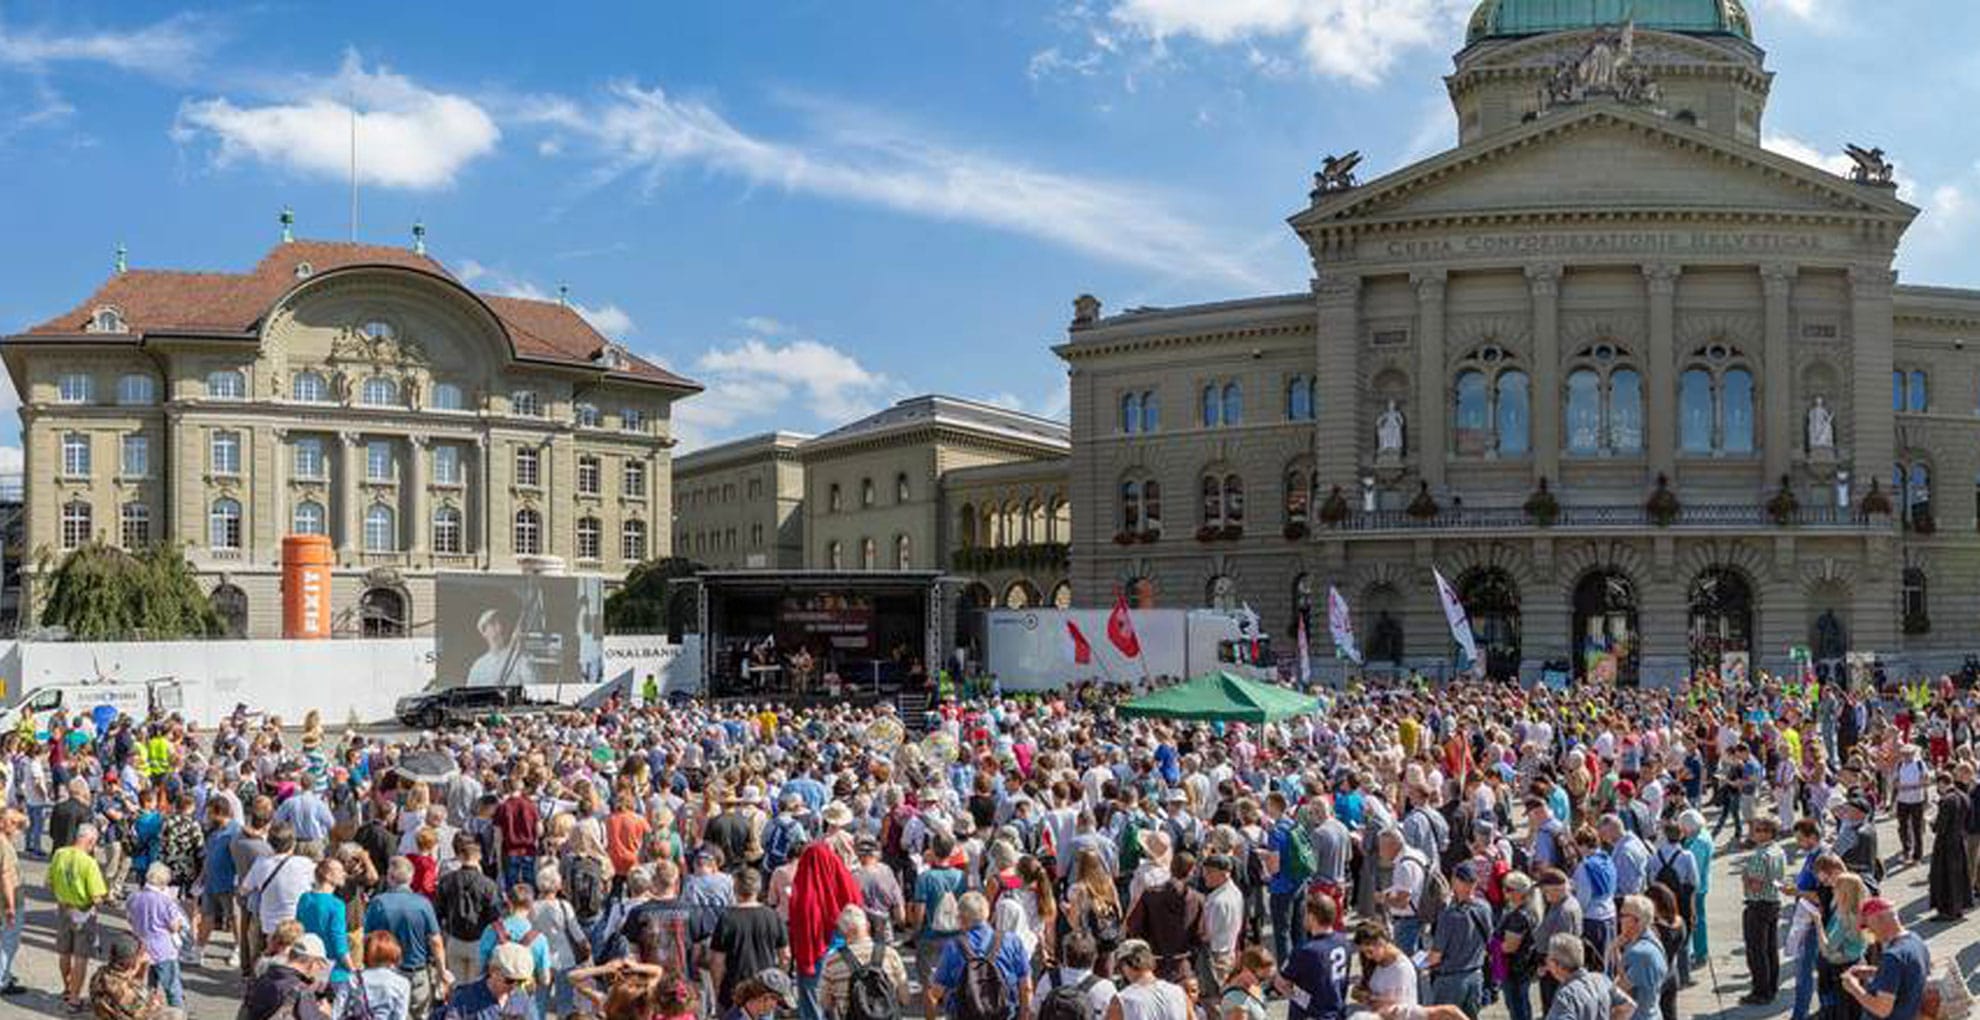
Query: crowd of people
[(1407, 852)]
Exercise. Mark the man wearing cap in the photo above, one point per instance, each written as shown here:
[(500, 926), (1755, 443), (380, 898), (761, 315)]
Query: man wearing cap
[(879, 889), (511, 970), (1223, 916), (1584, 993), (119, 991), (1457, 945), (1896, 989)]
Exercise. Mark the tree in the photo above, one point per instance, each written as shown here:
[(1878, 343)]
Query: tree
[(653, 597), (99, 592)]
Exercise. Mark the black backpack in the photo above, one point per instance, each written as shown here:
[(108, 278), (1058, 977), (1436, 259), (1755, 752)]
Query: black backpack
[(870, 993), (1668, 877), (984, 993), (1103, 922), (585, 887), (1068, 1002)]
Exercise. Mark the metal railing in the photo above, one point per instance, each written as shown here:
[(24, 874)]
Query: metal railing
[(1596, 518)]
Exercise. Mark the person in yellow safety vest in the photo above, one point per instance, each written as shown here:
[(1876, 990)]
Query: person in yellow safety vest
[(157, 755)]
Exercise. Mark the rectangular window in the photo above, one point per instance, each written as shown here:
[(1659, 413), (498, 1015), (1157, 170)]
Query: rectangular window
[(528, 467), (588, 539), (135, 461), (309, 458), (634, 482), (378, 465), (632, 542), (632, 419), (447, 531), (589, 470), (226, 453), (136, 525), (447, 465), (525, 403), (75, 387), (75, 455)]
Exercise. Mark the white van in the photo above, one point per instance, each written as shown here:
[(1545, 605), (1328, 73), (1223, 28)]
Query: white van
[(79, 699)]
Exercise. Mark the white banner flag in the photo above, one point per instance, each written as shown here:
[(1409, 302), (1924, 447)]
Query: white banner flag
[(1460, 622), (1341, 626), (1305, 655)]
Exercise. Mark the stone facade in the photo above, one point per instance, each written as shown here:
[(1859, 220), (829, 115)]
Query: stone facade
[(740, 505), (354, 391), (1602, 323)]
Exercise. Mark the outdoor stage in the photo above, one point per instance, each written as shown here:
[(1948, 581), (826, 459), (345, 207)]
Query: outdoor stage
[(811, 634)]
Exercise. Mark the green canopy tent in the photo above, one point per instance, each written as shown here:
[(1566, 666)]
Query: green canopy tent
[(1224, 697)]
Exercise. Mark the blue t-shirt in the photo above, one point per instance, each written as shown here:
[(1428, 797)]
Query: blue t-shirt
[(218, 875), (928, 890), (1011, 960), (474, 1001), (410, 919), (1280, 842), (1644, 964), (1905, 967), (1320, 970)]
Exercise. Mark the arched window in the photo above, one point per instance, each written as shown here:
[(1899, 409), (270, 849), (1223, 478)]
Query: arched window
[(230, 604), (382, 613), (1473, 418), (901, 491), (309, 387), (1299, 398), (76, 528), (223, 524), (1062, 595), (1131, 412), (1912, 485), (586, 416), (381, 529), (1213, 500), (1020, 595), (1213, 406), (1221, 594), (1917, 620), (446, 396), (1223, 500), (380, 391), (1151, 506), (1626, 411), (1514, 414), (1233, 404), (1917, 398), (226, 384), (526, 404), (866, 496), (869, 554), (1695, 412), (632, 540), (528, 532), (1298, 494), (832, 501), (1584, 411), (1736, 411), (834, 558), (309, 519), (1151, 411), (903, 552), (447, 531), (137, 389)]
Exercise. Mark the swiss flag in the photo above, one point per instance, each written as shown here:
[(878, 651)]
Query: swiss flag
[(1082, 649), (1120, 629)]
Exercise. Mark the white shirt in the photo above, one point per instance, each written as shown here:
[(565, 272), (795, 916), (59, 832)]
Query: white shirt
[(1223, 915), (277, 882), (1911, 777), (1394, 982)]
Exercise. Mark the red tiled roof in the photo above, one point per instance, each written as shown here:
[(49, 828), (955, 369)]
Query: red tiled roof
[(166, 301)]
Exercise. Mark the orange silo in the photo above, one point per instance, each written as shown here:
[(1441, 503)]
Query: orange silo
[(306, 564)]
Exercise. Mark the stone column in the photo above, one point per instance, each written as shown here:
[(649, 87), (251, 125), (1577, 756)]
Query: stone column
[(484, 499), (1338, 338), (1544, 281), (350, 469), (419, 512), (1779, 440), (1660, 378), (278, 500), (1427, 435), (1872, 439)]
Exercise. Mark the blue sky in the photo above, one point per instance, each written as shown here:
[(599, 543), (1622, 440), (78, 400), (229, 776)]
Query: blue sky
[(817, 207)]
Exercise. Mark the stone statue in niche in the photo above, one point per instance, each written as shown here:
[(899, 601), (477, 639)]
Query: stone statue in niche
[(1389, 432), (1821, 427)]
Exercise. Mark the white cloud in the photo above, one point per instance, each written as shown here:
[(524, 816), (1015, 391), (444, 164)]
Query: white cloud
[(763, 324), (615, 322), (166, 49), (1793, 148), (775, 378), (408, 136), (1804, 9), (1356, 40), (858, 157)]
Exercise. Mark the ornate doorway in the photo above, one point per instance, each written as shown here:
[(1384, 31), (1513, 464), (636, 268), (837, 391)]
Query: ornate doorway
[(1492, 599), (1721, 618), (1605, 638)]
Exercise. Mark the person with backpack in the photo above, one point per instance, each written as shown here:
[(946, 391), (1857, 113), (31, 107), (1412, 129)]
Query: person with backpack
[(468, 902), (1595, 889), (1074, 990), (516, 928), (1143, 994), (864, 979), (933, 914), (1673, 867), (982, 974), (1288, 855), (1458, 946), (1406, 900)]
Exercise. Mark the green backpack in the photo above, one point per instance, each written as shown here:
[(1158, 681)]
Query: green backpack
[(1301, 861)]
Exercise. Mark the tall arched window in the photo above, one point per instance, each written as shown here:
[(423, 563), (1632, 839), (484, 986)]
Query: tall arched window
[(1626, 411), (1514, 414), (226, 384), (1584, 411), (834, 557), (1473, 417), (1213, 406), (528, 532), (309, 387), (1151, 411), (903, 552), (869, 554), (1300, 398), (1911, 483), (1908, 391), (1151, 505), (1130, 412), (1715, 403), (381, 529), (1233, 404), (901, 491), (309, 519), (1223, 500), (447, 531), (1604, 396), (223, 524)]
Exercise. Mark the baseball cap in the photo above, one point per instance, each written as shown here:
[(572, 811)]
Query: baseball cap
[(1872, 907), (311, 946), (777, 981), (512, 960), (1464, 872)]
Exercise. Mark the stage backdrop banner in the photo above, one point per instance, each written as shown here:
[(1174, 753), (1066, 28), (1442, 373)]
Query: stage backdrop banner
[(500, 629)]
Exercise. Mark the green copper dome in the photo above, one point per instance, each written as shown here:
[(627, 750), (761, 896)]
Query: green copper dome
[(1496, 19)]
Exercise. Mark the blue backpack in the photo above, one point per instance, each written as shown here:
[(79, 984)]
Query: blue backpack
[(1601, 875)]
